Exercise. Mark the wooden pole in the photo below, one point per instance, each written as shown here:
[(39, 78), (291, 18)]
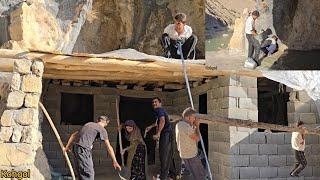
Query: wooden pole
[(58, 138), (214, 120), (119, 131)]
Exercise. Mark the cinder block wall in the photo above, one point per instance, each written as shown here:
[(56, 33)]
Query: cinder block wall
[(104, 103), (233, 97), (301, 107)]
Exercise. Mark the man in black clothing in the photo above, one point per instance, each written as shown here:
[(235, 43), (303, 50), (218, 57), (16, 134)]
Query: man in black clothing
[(165, 136)]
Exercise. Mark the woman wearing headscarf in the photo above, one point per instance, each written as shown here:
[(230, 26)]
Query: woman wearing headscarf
[(137, 158)]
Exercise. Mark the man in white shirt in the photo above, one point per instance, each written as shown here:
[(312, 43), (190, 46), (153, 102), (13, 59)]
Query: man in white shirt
[(187, 137), (298, 144), (254, 45), (178, 32)]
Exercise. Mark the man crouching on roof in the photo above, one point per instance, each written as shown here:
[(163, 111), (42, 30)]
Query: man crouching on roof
[(84, 139), (179, 32)]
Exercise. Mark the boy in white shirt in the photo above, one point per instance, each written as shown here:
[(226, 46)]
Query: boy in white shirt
[(254, 45), (179, 32), (298, 144)]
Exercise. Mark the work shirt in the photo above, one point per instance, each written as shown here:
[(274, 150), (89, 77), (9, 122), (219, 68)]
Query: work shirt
[(88, 134), (297, 142), (250, 25), (187, 147), (160, 112), (173, 34)]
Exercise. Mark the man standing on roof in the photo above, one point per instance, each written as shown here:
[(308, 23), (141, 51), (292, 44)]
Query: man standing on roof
[(82, 148), (179, 32), (166, 140), (254, 45)]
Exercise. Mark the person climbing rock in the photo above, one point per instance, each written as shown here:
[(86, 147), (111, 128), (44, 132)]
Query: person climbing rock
[(176, 33), (298, 144), (270, 45), (82, 148), (251, 32), (187, 138), (166, 139)]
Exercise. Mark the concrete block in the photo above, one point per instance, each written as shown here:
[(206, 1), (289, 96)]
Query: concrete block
[(268, 149), (252, 93), (268, 172), (246, 81), (228, 102), (239, 137), (235, 149), (248, 103), (238, 113), (308, 118), (316, 170), (258, 160), (293, 117), (284, 171), (298, 107), (235, 91), (253, 115), (275, 138), (284, 149), (315, 148), (249, 172), (303, 96), (313, 107), (258, 138), (306, 172), (248, 149), (291, 159), (277, 160), (239, 160), (287, 138)]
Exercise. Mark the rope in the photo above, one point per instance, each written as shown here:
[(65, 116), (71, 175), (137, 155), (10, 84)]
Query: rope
[(192, 105)]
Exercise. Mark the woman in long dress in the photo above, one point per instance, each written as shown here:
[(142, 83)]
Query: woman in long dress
[(136, 161)]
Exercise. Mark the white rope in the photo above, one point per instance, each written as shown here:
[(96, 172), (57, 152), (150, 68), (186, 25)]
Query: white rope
[(192, 105)]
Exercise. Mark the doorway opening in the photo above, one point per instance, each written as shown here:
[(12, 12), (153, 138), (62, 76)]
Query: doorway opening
[(203, 127), (141, 111), (272, 102)]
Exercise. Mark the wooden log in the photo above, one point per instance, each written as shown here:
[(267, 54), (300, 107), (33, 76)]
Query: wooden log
[(214, 120), (59, 139)]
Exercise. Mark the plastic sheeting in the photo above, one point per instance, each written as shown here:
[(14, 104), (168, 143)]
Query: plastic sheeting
[(308, 81)]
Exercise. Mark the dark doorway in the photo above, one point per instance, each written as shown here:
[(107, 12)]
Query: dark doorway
[(203, 127), (139, 110), (76, 109), (272, 102)]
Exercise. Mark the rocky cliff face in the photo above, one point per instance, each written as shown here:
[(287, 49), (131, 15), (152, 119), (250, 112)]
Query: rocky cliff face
[(297, 23), (136, 24), (96, 26)]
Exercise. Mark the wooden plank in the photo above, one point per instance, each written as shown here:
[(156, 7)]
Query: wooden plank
[(214, 120)]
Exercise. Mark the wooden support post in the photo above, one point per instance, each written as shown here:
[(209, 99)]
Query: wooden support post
[(58, 138)]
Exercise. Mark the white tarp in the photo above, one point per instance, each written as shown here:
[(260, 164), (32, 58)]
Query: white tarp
[(308, 81), (134, 55)]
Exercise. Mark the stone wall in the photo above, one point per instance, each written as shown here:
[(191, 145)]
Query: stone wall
[(20, 136)]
